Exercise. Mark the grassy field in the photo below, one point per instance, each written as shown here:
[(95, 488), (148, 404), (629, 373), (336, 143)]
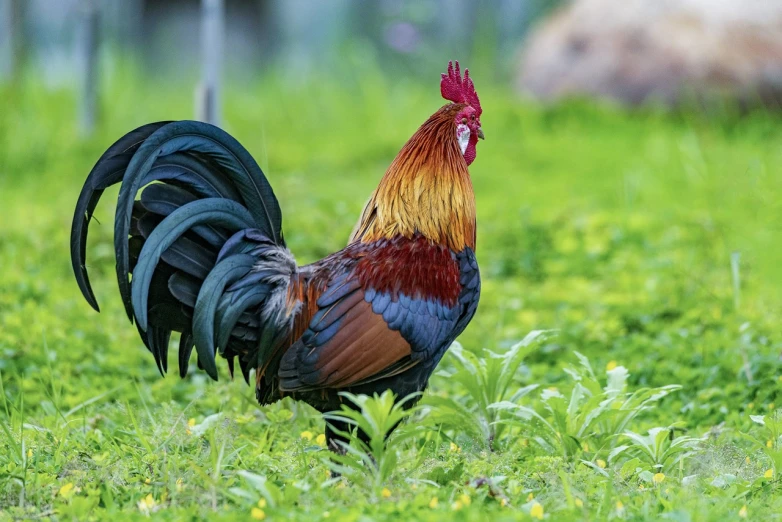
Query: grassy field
[(645, 244)]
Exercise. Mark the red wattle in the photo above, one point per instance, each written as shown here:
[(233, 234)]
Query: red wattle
[(469, 152)]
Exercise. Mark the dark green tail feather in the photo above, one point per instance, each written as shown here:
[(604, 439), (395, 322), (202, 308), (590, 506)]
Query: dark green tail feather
[(201, 187), (108, 171), (225, 272), (215, 146)]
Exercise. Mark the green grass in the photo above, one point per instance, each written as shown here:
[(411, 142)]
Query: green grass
[(614, 230)]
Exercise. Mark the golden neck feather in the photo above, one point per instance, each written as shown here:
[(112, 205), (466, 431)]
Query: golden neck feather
[(426, 189)]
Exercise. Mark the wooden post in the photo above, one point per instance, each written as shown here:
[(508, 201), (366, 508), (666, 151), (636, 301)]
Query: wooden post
[(88, 40), (11, 38), (6, 40), (208, 94)]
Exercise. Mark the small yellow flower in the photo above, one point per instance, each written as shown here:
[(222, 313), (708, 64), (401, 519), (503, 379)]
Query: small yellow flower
[(536, 511), (579, 503), (620, 508), (769, 474), (746, 459), (321, 439), (769, 443), (456, 506), (465, 499), (257, 513), (641, 487), (504, 502), (179, 485), (611, 366), (385, 493), (306, 435), (30, 453), (147, 481), (262, 503), (66, 491), (455, 448), (147, 503), (434, 502), (530, 497), (658, 478), (743, 511), (601, 463), (191, 422)]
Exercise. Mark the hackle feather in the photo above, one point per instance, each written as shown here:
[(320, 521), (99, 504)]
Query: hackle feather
[(426, 189)]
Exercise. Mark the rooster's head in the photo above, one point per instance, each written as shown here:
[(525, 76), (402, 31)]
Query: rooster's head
[(468, 119)]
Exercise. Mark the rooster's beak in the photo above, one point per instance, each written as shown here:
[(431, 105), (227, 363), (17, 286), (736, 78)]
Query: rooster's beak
[(480, 134)]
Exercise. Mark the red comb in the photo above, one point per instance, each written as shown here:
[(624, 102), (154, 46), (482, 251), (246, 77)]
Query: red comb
[(459, 90)]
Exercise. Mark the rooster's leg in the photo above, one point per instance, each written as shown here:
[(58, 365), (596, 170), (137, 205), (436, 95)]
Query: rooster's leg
[(338, 443), (334, 441)]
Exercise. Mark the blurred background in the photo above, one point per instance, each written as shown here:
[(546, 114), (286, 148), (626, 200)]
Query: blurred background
[(630, 176), (76, 42), (629, 190), (635, 52), (259, 33)]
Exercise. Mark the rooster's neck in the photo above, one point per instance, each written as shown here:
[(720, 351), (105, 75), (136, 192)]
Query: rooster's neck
[(426, 190)]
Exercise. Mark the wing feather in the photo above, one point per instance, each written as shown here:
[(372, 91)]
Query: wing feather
[(346, 342), (360, 330)]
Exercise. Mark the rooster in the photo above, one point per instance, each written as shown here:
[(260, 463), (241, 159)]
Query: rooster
[(205, 249)]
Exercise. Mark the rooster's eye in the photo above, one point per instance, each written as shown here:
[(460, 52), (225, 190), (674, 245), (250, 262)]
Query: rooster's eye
[(464, 120), (472, 116)]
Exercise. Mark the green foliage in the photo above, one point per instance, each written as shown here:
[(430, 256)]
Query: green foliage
[(370, 463), (769, 438), (590, 419), (660, 449), (486, 382), (615, 229)]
